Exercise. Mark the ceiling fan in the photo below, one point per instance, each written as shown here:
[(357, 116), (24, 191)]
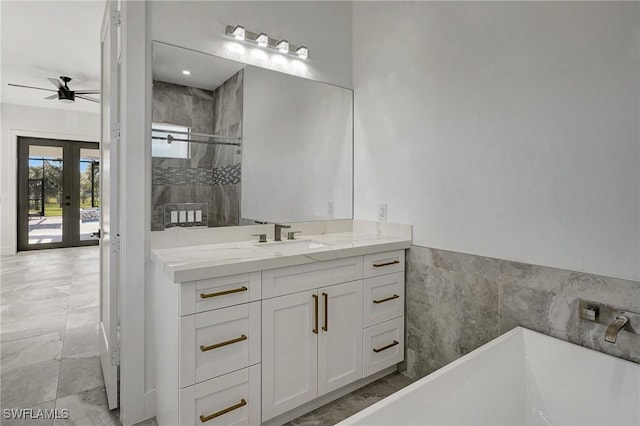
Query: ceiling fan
[(65, 94)]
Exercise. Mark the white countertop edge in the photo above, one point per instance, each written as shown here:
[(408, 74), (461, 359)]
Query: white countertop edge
[(187, 274)]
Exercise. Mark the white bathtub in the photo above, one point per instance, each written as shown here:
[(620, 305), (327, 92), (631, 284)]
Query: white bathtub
[(520, 378)]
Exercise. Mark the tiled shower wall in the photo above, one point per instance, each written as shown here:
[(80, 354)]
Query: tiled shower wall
[(212, 173), (457, 302)]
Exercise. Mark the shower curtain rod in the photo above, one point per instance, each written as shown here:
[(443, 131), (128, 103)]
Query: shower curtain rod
[(206, 135), (170, 139)]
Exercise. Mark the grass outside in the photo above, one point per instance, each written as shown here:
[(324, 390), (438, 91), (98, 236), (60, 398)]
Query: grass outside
[(54, 209)]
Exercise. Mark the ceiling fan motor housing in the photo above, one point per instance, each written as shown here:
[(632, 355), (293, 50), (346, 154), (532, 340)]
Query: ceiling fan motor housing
[(64, 94)]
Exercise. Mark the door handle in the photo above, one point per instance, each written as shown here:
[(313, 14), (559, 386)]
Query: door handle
[(315, 306), (325, 327)]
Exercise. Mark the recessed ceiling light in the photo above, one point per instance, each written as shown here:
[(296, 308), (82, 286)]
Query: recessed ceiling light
[(186, 72)]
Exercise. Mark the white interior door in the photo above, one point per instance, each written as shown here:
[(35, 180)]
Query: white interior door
[(109, 238)]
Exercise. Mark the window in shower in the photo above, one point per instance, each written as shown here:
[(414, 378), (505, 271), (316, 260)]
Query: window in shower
[(165, 141)]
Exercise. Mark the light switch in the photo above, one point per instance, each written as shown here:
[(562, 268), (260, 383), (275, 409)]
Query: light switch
[(183, 216), (198, 215), (190, 216), (174, 216)]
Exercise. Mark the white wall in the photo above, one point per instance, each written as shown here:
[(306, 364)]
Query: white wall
[(503, 129), (323, 26), (21, 120), (296, 148)]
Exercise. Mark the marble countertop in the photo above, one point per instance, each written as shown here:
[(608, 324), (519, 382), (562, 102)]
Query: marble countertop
[(203, 261)]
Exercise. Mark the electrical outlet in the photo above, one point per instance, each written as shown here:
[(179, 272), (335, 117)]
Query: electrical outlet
[(330, 209), (382, 212)]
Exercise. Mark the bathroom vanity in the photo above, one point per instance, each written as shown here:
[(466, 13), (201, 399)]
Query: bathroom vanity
[(261, 333)]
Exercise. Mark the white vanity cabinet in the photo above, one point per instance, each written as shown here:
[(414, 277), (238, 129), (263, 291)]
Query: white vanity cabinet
[(250, 347)]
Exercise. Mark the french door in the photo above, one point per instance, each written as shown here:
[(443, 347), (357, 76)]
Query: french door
[(58, 193)]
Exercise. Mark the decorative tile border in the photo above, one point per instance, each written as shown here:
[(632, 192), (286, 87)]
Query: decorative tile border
[(179, 176)]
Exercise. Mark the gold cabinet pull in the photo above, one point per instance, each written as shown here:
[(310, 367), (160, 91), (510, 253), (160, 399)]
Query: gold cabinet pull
[(390, 345), (204, 348), (380, 265), (325, 327), (242, 403), (386, 299), (315, 306), (222, 293)]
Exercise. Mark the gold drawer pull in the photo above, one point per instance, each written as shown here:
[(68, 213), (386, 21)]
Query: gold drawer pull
[(242, 403), (222, 293), (380, 265), (390, 345), (204, 348), (325, 327), (386, 299), (315, 307)]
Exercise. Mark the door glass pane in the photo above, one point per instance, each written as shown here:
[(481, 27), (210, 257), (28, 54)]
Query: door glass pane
[(89, 193), (45, 194)]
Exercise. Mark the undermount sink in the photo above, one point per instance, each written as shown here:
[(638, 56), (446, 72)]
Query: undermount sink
[(294, 245)]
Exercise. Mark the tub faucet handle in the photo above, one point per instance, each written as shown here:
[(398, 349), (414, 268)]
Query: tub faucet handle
[(612, 331)]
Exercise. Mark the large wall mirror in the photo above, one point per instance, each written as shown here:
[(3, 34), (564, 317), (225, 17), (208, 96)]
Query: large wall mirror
[(234, 144)]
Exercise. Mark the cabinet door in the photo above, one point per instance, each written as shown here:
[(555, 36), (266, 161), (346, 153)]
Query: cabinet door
[(289, 352), (340, 338)]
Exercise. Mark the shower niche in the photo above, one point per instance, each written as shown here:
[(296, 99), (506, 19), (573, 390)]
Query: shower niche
[(245, 144)]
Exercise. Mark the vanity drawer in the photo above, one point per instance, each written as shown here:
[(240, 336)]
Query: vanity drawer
[(383, 345), (218, 342), (383, 263), (293, 279), (232, 399), (383, 298), (214, 293)]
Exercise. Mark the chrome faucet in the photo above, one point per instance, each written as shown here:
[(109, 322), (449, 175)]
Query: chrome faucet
[(612, 331), (277, 233)]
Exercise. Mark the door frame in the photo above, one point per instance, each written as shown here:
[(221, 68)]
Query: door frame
[(14, 136)]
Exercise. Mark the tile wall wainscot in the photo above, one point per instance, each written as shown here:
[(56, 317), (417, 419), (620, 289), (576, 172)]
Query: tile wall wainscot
[(457, 302), (212, 173)]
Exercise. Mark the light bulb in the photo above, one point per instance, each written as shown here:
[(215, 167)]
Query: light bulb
[(303, 52), (186, 72), (238, 32), (283, 46), (263, 40)]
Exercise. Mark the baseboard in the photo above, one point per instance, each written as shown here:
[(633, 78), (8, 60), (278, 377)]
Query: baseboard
[(150, 404), (325, 399), (7, 251), (149, 407)]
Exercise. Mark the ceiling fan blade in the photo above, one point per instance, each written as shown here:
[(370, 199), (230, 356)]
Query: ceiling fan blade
[(55, 82), (52, 96), (31, 87), (87, 92), (87, 98)]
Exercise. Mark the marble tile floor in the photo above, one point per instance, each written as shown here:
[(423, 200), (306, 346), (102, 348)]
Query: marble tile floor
[(338, 410), (49, 313)]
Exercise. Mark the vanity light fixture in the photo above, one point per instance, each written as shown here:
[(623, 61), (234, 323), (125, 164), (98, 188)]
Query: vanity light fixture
[(239, 33), (262, 40), (283, 46), (302, 52)]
